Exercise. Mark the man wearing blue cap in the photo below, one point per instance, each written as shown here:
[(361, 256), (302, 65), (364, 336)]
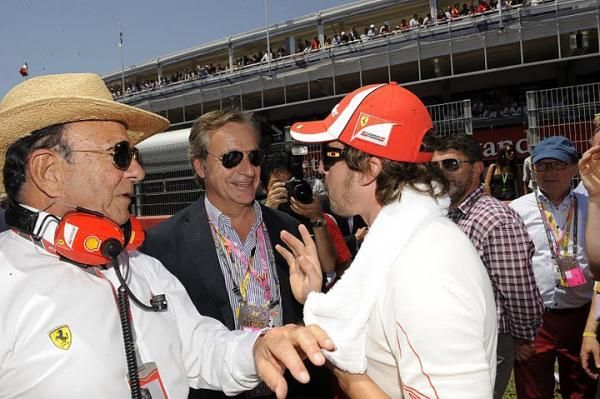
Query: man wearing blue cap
[(555, 219)]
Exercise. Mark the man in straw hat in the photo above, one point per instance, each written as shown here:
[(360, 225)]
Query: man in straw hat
[(416, 308), (68, 147)]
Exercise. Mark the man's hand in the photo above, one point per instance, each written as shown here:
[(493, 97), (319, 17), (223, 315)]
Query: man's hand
[(311, 211), (524, 349), (590, 355), (285, 347), (277, 194), (303, 261), (589, 170)]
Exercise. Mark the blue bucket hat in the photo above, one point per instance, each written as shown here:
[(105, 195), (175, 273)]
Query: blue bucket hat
[(556, 147)]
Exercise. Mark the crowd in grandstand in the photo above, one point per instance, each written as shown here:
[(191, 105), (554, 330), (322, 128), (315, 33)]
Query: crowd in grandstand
[(451, 13)]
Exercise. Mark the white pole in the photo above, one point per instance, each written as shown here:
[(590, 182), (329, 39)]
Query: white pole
[(268, 41)]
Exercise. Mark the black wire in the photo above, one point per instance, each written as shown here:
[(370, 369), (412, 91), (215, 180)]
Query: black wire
[(124, 285), (134, 379)]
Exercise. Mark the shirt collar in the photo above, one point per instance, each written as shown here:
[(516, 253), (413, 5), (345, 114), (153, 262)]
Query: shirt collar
[(468, 202), (220, 220), (565, 202)]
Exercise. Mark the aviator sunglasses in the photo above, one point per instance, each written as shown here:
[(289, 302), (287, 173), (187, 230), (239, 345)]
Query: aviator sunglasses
[(450, 164), (231, 159), (332, 155), (123, 154)]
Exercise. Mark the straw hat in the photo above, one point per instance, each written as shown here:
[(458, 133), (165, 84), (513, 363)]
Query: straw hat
[(53, 99)]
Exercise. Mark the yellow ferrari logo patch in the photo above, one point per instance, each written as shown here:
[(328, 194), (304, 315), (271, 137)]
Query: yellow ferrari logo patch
[(364, 119), (61, 337)]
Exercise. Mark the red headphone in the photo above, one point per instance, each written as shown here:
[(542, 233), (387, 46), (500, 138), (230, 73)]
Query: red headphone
[(92, 239), (82, 236)]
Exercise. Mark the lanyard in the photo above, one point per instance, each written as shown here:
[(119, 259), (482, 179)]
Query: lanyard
[(228, 251), (561, 237)]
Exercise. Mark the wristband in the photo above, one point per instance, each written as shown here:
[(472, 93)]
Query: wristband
[(589, 334), (318, 223)]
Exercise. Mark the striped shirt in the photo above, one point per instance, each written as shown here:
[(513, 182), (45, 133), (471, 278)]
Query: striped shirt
[(556, 296), (234, 273), (498, 234)]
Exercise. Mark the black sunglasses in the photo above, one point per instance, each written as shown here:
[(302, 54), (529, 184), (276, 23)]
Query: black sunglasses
[(123, 154), (450, 164), (332, 155), (231, 159)]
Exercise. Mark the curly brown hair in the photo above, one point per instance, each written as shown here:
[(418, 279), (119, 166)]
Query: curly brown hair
[(394, 176)]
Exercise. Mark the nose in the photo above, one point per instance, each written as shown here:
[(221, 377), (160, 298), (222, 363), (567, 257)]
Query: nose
[(246, 168), (135, 171)]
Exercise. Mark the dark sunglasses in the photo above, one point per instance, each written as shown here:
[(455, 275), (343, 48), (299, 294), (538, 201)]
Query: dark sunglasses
[(231, 159), (450, 164), (123, 154), (554, 165), (332, 155)]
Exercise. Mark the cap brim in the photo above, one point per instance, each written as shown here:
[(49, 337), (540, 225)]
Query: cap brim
[(311, 132)]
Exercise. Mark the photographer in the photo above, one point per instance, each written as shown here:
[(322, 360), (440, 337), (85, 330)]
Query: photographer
[(293, 195)]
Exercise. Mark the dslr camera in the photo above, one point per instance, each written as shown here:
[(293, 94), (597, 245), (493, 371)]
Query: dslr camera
[(299, 189)]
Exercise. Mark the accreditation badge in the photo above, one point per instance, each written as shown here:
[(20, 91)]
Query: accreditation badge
[(571, 274), (253, 318)]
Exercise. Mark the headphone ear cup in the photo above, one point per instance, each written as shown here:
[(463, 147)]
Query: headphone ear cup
[(136, 234), (88, 239)]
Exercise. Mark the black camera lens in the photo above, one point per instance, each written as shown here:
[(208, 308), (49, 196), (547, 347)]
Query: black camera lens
[(299, 189)]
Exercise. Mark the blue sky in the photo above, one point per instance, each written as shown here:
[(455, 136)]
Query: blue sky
[(55, 36)]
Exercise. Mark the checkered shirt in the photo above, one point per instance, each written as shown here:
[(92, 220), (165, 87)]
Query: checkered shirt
[(500, 237)]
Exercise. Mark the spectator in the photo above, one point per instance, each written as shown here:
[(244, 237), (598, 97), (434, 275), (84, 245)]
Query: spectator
[(502, 242), (501, 180), (385, 28), (414, 22), (555, 219)]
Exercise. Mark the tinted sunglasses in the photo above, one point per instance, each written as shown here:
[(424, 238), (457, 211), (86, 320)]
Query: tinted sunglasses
[(332, 155), (231, 159), (555, 165), (123, 154), (450, 164)]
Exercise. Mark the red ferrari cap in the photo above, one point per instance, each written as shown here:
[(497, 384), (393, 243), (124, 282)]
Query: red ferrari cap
[(384, 120)]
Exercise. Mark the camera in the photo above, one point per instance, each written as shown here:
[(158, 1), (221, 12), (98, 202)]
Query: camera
[(299, 189)]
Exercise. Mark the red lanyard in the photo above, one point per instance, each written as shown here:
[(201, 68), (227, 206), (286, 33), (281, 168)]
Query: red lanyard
[(228, 250), (559, 238)]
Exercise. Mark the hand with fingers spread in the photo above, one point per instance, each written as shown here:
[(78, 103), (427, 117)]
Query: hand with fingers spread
[(284, 348), (277, 194), (303, 261), (589, 170)]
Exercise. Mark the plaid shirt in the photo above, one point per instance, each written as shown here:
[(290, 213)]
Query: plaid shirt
[(500, 237)]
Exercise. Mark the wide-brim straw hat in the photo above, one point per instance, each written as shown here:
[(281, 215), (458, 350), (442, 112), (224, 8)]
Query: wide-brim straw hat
[(49, 100)]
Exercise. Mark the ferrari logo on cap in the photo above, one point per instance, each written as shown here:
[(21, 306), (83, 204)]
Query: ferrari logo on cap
[(92, 243), (364, 119), (61, 337)]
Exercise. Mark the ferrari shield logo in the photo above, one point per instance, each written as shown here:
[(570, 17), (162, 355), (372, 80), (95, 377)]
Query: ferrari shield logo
[(364, 119), (61, 337)]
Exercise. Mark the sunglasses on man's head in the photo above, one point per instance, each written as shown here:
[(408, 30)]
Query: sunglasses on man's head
[(450, 164), (123, 154), (231, 159), (332, 155)]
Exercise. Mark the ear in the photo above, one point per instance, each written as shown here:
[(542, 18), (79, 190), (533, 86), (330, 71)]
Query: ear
[(374, 170), (46, 172), (199, 168), (478, 169)]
